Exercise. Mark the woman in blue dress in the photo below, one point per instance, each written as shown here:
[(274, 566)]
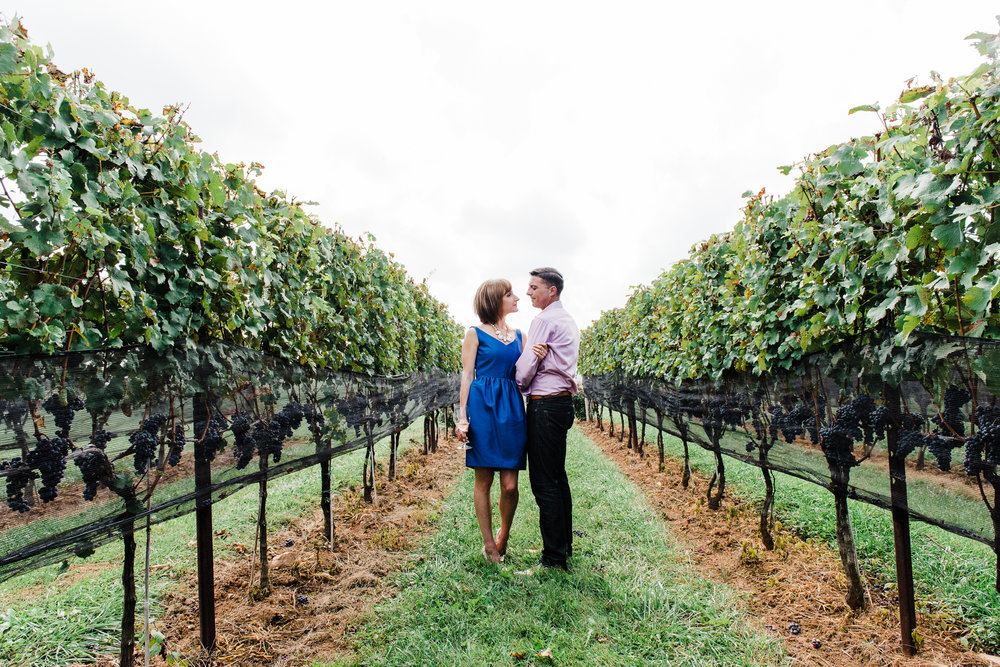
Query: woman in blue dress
[(491, 411)]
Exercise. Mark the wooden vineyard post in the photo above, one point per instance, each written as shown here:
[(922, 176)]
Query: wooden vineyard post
[(766, 508), (324, 499), (393, 446), (634, 428), (265, 575), (324, 495), (434, 431), (659, 438), (368, 473), (203, 531), (428, 434), (642, 436), (431, 432), (127, 658), (994, 480), (900, 523)]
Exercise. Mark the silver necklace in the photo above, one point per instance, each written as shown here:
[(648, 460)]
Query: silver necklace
[(506, 337)]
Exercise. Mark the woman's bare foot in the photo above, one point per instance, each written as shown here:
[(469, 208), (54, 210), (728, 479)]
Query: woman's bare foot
[(492, 556), (501, 541)]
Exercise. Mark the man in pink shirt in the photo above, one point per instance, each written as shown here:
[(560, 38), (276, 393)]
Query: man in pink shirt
[(545, 373)]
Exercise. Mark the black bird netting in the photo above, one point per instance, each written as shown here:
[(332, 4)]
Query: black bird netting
[(841, 427), (92, 442)]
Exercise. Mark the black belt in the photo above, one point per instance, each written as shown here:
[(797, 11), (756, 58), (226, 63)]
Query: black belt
[(535, 397)]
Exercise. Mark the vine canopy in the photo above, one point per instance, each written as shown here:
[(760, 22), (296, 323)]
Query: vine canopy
[(118, 230)]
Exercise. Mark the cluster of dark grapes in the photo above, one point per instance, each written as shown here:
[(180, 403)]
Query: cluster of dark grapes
[(951, 421), (838, 446), (315, 418), (91, 467), (176, 445), (102, 438), (208, 437), (63, 412), (794, 423), (17, 480), (245, 440), (144, 442), (49, 457), (982, 449), (853, 417), (268, 438), (92, 464), (942, 448), (950, 426), (280, 428), (876, 424), (853, 423), (726, 411), (910, 436), (353, 409)]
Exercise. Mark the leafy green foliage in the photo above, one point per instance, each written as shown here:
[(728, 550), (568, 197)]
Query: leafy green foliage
[(118, 231), (881, 236)]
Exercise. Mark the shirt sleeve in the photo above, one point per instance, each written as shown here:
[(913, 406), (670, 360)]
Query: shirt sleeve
[(527, 363)]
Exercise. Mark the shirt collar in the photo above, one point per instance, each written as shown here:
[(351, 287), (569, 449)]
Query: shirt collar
[(553, 306)]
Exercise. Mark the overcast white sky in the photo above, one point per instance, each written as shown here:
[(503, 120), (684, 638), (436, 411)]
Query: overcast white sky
[(478, 140)]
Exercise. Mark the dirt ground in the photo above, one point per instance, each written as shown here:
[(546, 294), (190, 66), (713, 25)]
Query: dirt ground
[(319, 594), (798, 582)]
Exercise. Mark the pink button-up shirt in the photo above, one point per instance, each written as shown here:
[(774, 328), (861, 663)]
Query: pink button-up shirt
[(557, 371)]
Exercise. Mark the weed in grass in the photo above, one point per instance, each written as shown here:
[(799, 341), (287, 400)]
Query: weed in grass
[(412, 470), (749, 554), (389, 539)]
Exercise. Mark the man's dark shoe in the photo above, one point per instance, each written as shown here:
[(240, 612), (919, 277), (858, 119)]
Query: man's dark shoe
[(552, 565)]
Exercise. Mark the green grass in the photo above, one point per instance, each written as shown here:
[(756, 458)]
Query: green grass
[(59, 614), (954, 577), (628, 600)]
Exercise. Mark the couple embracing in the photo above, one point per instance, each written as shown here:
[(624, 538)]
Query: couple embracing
[(500, 364)]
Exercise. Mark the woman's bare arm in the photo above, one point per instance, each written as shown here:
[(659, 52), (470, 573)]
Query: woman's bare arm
[(470, 345)]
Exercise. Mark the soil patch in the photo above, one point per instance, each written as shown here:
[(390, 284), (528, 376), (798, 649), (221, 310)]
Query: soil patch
[(799, 582), (318, 593)]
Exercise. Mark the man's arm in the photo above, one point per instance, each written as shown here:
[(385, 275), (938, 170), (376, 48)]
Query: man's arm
[(527, 363)]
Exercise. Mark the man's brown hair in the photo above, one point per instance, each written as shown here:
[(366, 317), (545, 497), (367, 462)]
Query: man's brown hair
[(551, 277), (489, 299)]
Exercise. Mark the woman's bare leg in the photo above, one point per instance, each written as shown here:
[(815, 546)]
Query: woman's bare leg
[(508, 505), (484, 511)]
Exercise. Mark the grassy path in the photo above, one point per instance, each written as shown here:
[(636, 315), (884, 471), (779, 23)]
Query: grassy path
[(628, 600)]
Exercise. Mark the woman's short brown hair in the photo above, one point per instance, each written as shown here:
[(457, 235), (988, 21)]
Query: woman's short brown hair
[(489, 299)]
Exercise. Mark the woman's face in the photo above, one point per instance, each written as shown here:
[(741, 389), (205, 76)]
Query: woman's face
[(510, 302)]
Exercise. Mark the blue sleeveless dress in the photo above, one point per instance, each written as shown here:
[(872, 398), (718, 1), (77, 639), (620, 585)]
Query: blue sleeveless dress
[(497, 431)]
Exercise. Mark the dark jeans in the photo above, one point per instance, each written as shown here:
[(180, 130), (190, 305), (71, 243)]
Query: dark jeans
[(549, 419)]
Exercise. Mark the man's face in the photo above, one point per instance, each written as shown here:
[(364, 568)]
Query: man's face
[(540, 294)]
